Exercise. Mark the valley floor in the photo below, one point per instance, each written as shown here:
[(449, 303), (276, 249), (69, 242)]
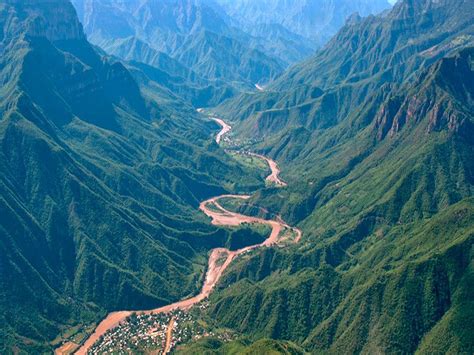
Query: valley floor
[(219, 260)]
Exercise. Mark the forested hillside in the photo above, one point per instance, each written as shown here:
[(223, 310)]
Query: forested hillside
[(367, 56), (376, 135), (100, 182)]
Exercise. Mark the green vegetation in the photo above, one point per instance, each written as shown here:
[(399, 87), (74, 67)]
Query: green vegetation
[(247, 235), (251, 162), (249, 208), (210, 346), (328, 307), (367, 57), (100, 181), (380, 172)]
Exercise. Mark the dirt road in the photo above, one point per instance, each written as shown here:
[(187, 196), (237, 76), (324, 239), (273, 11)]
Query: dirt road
[(169, 337), (66, 348)]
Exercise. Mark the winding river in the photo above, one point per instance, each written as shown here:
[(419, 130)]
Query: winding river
[(219, 259)]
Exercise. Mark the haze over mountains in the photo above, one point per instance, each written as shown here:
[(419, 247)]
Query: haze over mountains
[(316, 21), (218, 41), (104, 162)]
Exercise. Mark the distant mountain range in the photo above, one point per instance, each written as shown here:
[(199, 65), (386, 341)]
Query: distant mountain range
[(192, 32), (314, 20), (365, 56), (216, 41)]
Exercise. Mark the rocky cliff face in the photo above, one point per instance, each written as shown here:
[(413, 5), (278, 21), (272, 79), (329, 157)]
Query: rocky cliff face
[(37, 35), (442, 97)]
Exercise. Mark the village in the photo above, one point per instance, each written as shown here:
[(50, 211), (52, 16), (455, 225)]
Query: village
[(158, 333)]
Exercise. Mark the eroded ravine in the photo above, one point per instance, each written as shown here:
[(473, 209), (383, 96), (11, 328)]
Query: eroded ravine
[(220, 258)]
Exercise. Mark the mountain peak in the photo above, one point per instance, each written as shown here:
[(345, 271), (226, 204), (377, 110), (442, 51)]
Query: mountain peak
[(354, 18), (55, 20)]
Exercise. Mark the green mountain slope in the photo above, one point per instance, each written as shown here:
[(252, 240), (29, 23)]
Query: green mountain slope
[(383, 195), (99, 182), (216, 56), (365, 56), (278, 42), (386, 260), (263, 346), (402, 286)]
